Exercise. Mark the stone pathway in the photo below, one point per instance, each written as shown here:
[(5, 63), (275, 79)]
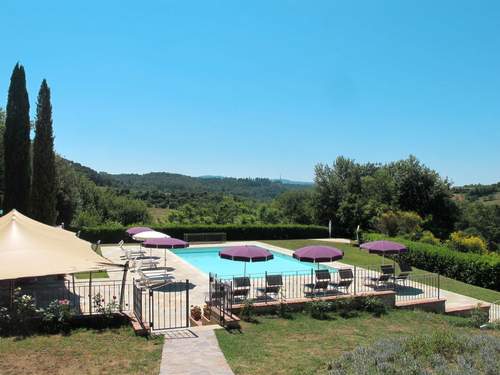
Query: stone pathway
[(193, 351)]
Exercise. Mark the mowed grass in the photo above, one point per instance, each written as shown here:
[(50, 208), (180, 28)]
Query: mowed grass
[(303, 345), (113, 351), (356, 257)]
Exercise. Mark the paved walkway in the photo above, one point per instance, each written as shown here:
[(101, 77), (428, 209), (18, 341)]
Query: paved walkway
[(193, 351)]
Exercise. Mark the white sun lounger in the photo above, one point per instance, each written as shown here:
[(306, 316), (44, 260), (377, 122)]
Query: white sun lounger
[(147, 278)]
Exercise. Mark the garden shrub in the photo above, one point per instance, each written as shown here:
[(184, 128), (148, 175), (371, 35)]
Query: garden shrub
[(247, 311), (467, 243), (428, 237), (374, 306), (439, 353), (478, 269), (56, 316), (318, 309), (115, 233)]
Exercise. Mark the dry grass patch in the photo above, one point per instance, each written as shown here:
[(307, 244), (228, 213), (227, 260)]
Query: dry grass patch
[(112, 351)]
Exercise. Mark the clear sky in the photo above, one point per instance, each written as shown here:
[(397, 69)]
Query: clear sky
[(264, 88)]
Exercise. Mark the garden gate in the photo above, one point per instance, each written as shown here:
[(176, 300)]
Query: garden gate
[(168, 305)]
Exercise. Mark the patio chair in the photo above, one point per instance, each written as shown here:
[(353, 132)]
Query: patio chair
[(381, 280), (241, 287), (346, 278), (387, 269), (404, 274), (321, 283), (273, 285)]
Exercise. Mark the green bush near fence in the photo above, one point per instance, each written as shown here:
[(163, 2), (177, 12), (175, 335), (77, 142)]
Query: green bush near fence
[(476, 269), (113, 234)]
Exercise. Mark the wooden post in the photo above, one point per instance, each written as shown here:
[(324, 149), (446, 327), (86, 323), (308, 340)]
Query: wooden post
[(124, 279)]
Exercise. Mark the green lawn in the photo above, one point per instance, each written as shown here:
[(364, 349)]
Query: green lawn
[(112, 351), (304, 345), (357, 257), (95, 275)]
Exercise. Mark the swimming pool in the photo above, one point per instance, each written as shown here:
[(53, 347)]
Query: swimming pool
[(207, 260)]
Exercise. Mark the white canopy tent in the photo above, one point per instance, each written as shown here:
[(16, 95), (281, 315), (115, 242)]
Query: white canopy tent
[(29, 248)]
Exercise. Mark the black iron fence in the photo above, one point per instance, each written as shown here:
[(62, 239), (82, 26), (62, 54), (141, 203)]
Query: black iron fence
[(84, 297), (291, 285)]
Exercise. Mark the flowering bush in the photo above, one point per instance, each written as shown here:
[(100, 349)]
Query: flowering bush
[(467, 243), (428, 237), (57, 315), (106, 309), (439, 353)]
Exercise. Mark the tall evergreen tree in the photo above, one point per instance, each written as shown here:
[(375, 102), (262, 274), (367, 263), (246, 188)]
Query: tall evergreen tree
[(17, 144), (44, 189)]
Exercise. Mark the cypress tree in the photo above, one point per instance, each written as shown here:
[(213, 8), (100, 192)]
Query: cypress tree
[(43, 196), (17, 144)]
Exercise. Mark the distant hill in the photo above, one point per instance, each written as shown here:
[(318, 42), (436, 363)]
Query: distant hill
[(164, 182), (488, 194)]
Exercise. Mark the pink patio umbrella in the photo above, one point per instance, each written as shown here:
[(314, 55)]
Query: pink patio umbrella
[(165, 243), (384, 247), (248, 253), (318, 254)]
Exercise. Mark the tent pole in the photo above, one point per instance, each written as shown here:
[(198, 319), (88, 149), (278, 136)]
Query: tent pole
[(124, 278)]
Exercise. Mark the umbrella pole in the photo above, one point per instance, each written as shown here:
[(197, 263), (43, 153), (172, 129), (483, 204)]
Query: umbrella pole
[(245, 270), (165, 258)]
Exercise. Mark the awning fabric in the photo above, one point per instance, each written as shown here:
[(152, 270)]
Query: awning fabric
[(29, 248)]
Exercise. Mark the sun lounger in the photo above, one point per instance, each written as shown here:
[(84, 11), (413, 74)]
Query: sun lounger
[(241, 287), (346, 277), (130, 253), (273, 285), (321, 283), (144, 264), (149, 279)]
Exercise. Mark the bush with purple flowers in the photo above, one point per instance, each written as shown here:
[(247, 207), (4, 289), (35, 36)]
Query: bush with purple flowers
[(442, 353)]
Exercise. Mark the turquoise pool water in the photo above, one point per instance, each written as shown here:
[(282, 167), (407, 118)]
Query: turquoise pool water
[(207, 260)]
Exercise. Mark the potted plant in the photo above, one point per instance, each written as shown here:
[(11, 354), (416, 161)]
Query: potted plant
[(196, 312)]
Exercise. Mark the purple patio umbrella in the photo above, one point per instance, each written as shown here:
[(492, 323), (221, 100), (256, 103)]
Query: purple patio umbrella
[(384, 247), (246, 254), (136, 230), (165, 243), (318, 254)]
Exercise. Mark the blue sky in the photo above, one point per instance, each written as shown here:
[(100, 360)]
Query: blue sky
[(264, 88)]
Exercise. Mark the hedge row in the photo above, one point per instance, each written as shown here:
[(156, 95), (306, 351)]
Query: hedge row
[(233, 232), (476, 269)]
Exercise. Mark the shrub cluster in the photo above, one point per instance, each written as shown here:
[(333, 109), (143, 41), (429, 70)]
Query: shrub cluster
[(467, 243), (346, 307), (24, 317), (116, 233), (477, 269), (439, 353)]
